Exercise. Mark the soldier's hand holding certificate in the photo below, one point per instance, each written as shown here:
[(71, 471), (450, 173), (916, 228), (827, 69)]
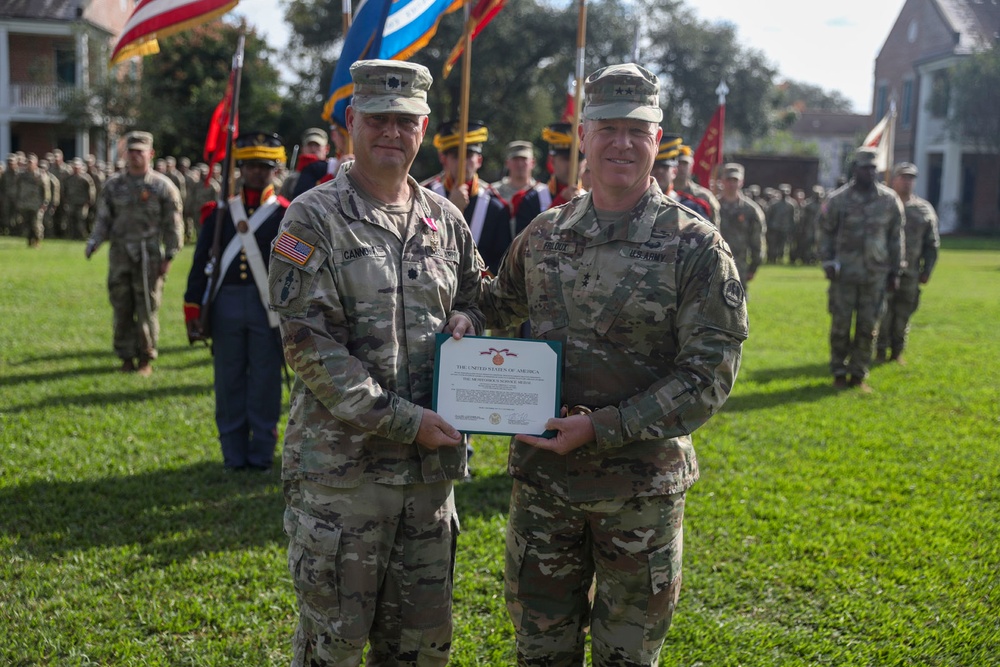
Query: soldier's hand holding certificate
[(497, 385)]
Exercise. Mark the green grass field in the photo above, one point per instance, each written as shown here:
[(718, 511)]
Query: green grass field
[(829, 528)]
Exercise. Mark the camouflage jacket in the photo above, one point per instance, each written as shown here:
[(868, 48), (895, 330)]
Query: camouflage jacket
[(79, 190), (34, 190), (359, 307), (783, 215), (922, 238), (861, 233), (652, 318), (136, 211), (742, 225)]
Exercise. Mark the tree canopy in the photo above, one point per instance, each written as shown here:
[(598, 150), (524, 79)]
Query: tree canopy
[(974, 90)]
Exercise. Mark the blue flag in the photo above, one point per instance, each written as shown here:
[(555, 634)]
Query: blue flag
[(386, 29)]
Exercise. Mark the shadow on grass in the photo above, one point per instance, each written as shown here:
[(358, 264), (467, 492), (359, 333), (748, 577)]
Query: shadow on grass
[(165, 515), (766, 375), (173, 515), (764, 400), (103, 353), (116, 398)]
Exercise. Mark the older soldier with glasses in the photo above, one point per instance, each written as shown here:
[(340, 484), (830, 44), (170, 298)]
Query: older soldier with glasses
[(365, 270), (646, 299)]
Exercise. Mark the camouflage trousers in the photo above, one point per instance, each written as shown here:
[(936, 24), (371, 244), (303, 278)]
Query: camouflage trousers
[(32, 222), (372, 564), (136, 327), (555, 549), (894, 330), (861, 303)]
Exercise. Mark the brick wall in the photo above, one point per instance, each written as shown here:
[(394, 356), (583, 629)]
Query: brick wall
[(33, 57)]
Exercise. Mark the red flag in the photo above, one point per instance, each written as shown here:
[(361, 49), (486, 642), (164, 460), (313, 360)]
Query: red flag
[(153, 19), (481, 14), (570, 109), (709, 151), (218, 128)]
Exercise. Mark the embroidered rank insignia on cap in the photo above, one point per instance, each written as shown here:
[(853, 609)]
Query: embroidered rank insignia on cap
[(293, 248)]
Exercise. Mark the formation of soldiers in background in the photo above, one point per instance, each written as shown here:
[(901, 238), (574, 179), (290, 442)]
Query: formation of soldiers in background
[(50, 197)]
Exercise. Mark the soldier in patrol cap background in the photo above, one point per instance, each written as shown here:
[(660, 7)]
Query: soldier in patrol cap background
[(860, 247), (782, 221), (246, 348), (605, 496), (139, 212), (920, 254), (486, 212), (683, 182), (365, 271), (665, 169), (314, 148), (558, 190), (519, 165), (741, 223)]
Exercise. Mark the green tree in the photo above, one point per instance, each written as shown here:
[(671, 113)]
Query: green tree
[(975, 95), (181, 86), (803, 96)]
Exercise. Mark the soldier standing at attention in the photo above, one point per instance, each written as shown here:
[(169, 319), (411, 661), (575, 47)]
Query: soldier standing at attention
[(246, 350), (860, 247), (645, 298), (487, 215), (526, 205), (519, 165), (782, 218), (685, 184), (8, 197), (139, 212), (79, 194), (365, 270), (34, 193), (921, 251), (741, 223)]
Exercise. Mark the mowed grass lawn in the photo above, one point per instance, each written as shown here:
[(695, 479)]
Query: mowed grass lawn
[(829, 528)]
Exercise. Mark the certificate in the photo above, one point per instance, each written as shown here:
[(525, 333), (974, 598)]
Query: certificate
[(497, 385)]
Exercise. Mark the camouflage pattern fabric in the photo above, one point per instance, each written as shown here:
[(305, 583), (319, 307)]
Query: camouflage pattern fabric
[(782, 219), (922, 243), (554, 549), (809, 230), (137, 214), (861, 237), (742, 226), (704, 193), (350, 585), (33, 196), (360, 299), (359, 308), (652, 316), (79, 194)]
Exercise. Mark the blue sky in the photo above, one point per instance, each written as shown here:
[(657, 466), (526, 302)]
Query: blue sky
[(829, 44)]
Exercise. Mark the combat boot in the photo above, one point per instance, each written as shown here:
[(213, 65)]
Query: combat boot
[(897, 357), (880, 356), (145, 368), (860, 383), (128, 366), (839, 382)]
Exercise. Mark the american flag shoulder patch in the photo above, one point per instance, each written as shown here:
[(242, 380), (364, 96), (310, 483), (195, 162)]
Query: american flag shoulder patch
[(294, 248)]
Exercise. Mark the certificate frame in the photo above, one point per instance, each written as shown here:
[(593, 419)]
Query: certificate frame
[(497, 386)]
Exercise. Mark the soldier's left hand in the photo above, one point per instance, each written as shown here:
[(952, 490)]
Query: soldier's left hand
[(164, 267), (435, 432), (459, 325), (924, 278), (571, 433)]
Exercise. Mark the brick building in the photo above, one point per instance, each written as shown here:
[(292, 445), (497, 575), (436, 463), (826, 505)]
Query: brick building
[(928, 39), (48, 50)]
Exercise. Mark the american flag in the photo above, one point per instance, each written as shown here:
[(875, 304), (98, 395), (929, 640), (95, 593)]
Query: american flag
[(293, 248)]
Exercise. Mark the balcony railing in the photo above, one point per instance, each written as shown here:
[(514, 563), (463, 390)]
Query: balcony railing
[(40, 97)]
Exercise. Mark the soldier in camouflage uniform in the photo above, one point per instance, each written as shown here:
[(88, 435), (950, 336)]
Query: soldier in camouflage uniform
[(920, 256), (809, 220), (79, 194), (49, 219), (646, 299), (8, 197), (34, 192), (365, 270), (139, 212), (782, 219), (860, 247), (684, 183), (741, 224), (177, 178)]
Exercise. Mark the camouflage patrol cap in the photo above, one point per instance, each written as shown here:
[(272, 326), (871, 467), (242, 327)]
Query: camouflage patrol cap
[(732, 170), (905, 169), (138, 139), (622, 91), (390, 86), (784, 188), (316, 135), (520, 149), (864, 157)]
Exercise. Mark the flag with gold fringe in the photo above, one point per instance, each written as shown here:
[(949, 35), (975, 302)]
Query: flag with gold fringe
[(155, 19)]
